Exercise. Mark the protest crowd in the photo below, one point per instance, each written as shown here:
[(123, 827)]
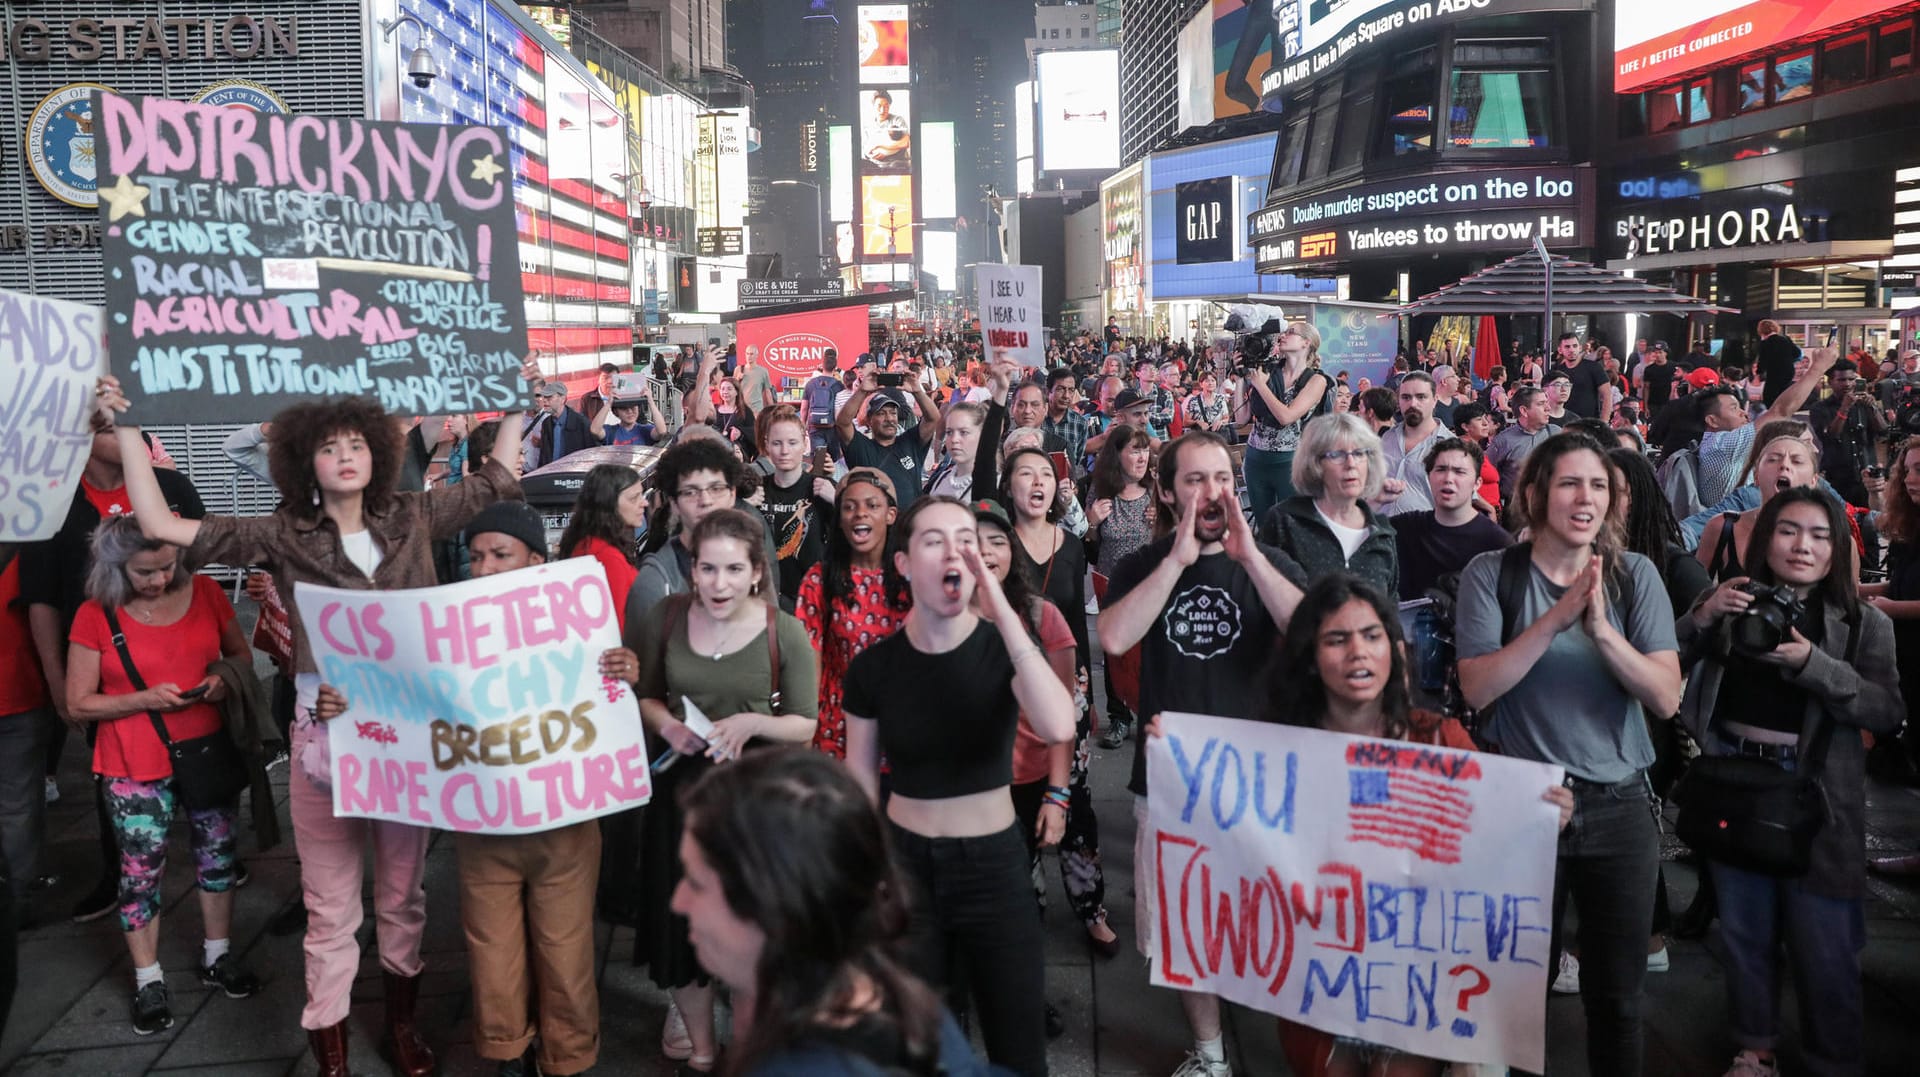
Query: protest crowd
[(865, 616)]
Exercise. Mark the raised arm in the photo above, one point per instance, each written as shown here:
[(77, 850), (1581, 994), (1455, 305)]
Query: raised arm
[(1043, 699), (157, 521), (862, 389), (1820, 360)]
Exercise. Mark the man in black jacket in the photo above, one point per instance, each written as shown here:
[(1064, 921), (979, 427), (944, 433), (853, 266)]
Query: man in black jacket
[(1776, 358)]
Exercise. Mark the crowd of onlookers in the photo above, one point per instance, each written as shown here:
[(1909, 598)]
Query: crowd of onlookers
[(1623, 566)]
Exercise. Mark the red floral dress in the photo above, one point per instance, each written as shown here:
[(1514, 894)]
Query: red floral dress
[(855, 623)]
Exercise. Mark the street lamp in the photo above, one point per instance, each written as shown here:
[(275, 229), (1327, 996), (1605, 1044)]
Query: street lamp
[(819, 219), (639, 201)]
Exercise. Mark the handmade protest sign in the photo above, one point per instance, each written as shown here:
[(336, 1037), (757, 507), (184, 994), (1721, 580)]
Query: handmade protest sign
[(1396, 893), (1010, 319), (49, 359), (256, 260), (479, 706)]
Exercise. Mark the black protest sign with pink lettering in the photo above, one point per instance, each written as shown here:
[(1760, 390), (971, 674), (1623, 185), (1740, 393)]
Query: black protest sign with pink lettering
[(254, 261)]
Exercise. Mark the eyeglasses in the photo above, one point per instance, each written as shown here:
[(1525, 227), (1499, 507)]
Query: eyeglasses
[(703, 493), (1337, 456)]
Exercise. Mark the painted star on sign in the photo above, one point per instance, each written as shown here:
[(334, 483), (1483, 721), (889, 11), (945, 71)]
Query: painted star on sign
[(486, 169), (125, 197)]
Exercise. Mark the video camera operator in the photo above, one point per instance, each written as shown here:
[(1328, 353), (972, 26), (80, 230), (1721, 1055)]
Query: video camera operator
[(1849, 426), (1282, 386)]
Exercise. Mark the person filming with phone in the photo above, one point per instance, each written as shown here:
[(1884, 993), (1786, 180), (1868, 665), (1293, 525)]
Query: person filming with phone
[(138, 664)]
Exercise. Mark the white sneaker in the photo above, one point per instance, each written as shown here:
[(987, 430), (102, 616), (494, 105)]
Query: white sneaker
[(53, 789), (1568, 981), (674, 1041), (1197, 1066), (1658, 961), (1750, 1064)]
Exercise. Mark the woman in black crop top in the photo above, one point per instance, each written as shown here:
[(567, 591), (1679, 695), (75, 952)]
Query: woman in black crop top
[(941, 698)]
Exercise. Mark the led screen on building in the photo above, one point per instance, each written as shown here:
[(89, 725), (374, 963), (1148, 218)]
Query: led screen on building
[(938, 197), (840, 173), (883, 43), (886, 130), (1023, 136), (886, 211), (1079, 110), (1655, 40), (1309, 38), (1124, 247), (942, 258)]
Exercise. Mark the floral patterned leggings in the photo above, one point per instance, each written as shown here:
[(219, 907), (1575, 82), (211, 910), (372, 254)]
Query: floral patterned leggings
[(142, 814)]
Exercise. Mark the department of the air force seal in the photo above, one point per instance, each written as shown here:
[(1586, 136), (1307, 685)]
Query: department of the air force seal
[(242, 93), (60, 146)]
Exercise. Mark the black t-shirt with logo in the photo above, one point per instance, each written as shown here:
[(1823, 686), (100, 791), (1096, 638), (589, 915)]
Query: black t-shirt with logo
[(1207, 652), (800, 521)]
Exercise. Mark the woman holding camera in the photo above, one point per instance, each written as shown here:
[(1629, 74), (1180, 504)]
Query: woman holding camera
[(1566, 643), (1800, 704), (1280, 407)]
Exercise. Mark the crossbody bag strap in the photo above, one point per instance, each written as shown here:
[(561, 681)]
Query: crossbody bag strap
[(773, 655), (133, 673)]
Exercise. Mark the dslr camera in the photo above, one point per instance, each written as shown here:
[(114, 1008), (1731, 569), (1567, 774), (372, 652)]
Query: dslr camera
[(1768, 622)]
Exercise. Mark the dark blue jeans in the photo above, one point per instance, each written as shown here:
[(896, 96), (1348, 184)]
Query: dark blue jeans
[(1609, 857), (973, 912), (1824, 936), (1269, 478)]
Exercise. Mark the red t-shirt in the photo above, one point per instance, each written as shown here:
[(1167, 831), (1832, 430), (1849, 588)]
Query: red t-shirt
[(22, 686), (1029, 751), (620, 573), (107, 503), (176, 654)]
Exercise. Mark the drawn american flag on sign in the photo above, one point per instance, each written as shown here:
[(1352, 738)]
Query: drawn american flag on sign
[(1410, 798)]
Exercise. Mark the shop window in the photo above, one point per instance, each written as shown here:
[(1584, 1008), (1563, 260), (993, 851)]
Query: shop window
[(1893, 49), (1407, 103), (1500, 109), (1666, 109), (1326, 123), (1752, 86), (1356, 119), (1633, 115), (1793, 77), (1843, 63), (1503, 51), (1699, 102), (1292, 155)]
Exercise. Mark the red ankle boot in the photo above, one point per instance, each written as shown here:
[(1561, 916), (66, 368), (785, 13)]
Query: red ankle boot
[(330, 1049), (405, 1050)]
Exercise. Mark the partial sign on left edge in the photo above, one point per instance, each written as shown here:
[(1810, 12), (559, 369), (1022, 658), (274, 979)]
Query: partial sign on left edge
[(255, 261), (49, 358)]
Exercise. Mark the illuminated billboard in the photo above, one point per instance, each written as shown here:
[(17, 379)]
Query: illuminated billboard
[(942, 259), (1079, 110), (840, 173), (886, 210), (883, 43), (886, 130), (1313, 37), (1023, 136), (938, 196), (1124, 247), (1656, 40)]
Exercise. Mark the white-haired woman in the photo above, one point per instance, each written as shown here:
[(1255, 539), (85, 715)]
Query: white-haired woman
[(1328, 526)]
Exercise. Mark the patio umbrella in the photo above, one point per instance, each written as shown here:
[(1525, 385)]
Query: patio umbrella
[(1486, 348)]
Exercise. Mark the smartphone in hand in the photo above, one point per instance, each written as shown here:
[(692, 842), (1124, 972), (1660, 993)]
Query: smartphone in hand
[(195, 692)]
